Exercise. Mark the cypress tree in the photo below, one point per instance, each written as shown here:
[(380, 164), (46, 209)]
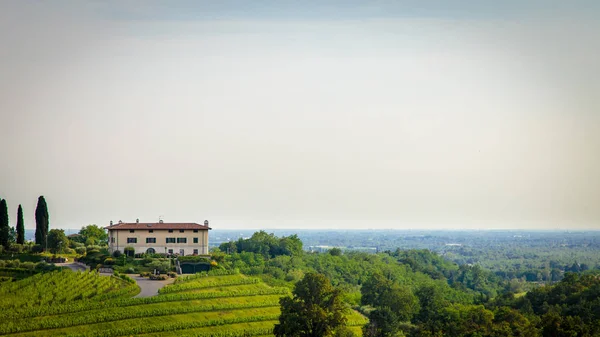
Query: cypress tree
[(20, 226), (4, 229), (41, 221)]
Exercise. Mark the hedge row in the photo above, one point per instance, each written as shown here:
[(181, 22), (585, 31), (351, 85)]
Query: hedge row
[(117, 314), (214, 272), (82, 306), (144, 329), (194, 285), (55, 288), (239, 333)]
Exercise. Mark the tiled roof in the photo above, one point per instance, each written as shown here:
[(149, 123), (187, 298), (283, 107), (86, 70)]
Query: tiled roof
[(157, 225)]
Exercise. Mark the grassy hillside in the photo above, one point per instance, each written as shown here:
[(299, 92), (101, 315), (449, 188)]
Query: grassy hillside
[(224, 305)]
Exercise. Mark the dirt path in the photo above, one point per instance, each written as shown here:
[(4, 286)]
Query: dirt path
[(73, 266), (149, 288)]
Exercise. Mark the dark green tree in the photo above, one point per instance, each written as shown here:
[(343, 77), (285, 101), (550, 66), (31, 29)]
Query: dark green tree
[(57, 240), (380, 292), (466, 320), (510, 322), (12, 235), (4, 228), (393, 305), (20, 226), (335, 252), (429, 319), (383, 322), (290, 245), (41, 221), (315, 310)]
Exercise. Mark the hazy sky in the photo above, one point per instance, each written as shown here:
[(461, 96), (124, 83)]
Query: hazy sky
[(254, 114)]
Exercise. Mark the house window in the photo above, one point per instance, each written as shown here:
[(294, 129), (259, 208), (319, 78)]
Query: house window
[(151, 231), (195, 231), (131, 240), (181, 231), (112, 239), (181, 240), (132, 231), (170, 251), (195, 240), (170, 231), (170, 240), (195, 251), (150, 240)]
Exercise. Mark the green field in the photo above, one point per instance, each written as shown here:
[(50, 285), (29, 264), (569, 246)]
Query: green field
[(86, 304)]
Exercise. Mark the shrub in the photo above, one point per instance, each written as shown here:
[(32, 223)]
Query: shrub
[(172, 274), (92, 252), (191, 258), (146, 261), (161, 266), (126, 278), (80, 250), (13, 263), (157, 255), (121, 260), (129, 251), (75, 244), (28, 265), (145, 274), (117, 253), (37, 249), (17, 248), (130, 270), (159, 277), (109, 261), (93, 247)]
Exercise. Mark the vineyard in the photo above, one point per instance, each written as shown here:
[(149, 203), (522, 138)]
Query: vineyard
[(58, 288), (85, 304)]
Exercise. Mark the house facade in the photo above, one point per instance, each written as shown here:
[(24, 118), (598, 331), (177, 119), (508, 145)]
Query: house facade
[(159, 237)]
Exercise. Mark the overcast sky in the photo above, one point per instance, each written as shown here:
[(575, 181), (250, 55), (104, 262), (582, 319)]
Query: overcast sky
[(254, 114)]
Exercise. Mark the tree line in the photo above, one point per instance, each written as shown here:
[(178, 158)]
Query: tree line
[(411, 293), (10, 235)]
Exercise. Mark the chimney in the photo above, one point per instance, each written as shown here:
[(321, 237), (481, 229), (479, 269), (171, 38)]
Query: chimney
[(137, 220), (111, 223)]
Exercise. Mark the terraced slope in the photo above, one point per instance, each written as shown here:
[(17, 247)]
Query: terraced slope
[(217, 305), (58, 288)]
